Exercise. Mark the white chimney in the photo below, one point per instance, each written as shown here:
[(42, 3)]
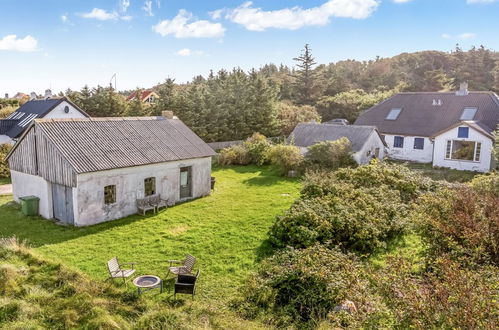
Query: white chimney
[(32, 96), (48, 94), (463, 89), (6, 95), (167, 114)]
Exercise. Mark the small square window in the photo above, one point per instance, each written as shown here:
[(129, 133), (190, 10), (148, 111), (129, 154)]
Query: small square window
[(419, 143), (398, 142), (463, 132), (393, 114), (110, 194), (468, 114), (149, 186)]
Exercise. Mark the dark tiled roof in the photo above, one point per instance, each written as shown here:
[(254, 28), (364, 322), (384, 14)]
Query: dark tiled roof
[(98, 144), (307, 134), (419, 117), (31, 110)]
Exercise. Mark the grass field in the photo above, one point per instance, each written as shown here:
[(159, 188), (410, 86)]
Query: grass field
[(4, 181), (226, 231)]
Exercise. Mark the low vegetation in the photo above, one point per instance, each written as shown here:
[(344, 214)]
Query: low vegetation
[(330, 155), (4, 166)]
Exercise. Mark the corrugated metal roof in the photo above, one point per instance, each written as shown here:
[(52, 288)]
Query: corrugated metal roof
[(307, 134), (97, 144), (419, 117)]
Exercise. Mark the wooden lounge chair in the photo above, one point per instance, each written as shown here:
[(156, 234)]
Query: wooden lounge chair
[(186, 284), (185, 268), (157, 202), (143, 205), (116, 271)]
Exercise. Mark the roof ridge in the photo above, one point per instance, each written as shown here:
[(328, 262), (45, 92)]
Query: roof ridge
[(97, 119)]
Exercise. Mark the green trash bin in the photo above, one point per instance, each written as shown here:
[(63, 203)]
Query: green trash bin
[(29, 205)]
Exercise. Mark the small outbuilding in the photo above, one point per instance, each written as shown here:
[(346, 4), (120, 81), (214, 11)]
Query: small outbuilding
[(90, 170), (366, 142)]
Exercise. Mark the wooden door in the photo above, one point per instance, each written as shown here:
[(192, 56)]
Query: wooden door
[(62, 202), (185, 182)]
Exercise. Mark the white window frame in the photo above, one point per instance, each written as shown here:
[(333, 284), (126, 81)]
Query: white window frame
[(477, 151)]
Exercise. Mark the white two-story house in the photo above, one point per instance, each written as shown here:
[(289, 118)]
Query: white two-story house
[(453, 130)]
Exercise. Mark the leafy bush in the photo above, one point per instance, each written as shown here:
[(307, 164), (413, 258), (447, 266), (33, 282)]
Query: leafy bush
[(451, 297), (360, 219), (286, 157), (463, 223), (331, 154), (486, 183), (290, 115), (234, 155), (258, 147), (4, 166), (300, 286)]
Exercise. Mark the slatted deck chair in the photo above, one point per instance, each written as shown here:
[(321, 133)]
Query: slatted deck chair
[(186, 284), (116, 271), (161, 203), (143, 206), (184, 269)]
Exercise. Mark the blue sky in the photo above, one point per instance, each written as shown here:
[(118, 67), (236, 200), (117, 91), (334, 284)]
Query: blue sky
[(60, 43)]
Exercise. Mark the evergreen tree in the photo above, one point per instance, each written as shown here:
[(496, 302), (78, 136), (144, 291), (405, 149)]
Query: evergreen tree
[(305, 75)]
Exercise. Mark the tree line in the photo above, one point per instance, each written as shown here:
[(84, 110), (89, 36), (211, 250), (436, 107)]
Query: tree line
[(231, 105)]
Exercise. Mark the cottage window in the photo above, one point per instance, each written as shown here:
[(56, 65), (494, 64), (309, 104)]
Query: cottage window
[(468, 114), (398, 142), (149, 186), (110, 194), (393, 114), (419, 143), (463, 150), (463, 132)]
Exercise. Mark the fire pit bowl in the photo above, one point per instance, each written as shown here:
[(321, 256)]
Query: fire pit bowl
[(148, 282)]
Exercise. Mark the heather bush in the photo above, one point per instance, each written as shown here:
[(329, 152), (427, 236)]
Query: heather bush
[(463, 223), (4, 166), (358, 219), (331, 154), (285, 157), (303, 287), (234, 155), (258, 147), (486, 183)]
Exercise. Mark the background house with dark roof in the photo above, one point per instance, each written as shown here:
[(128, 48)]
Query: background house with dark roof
[(12, 127), (366, 142), (447, 129), (87, 171)]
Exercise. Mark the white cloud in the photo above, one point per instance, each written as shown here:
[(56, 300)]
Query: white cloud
[(401, 1), (180, 27), (64, 18), (148, 8), (188, 52), (462, 36), (216, 14), (11, 42), (126, 18), (256, 19), (100, 14), (124, 5)]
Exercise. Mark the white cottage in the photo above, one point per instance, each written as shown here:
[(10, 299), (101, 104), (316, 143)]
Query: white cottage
[(366, 141), (12, 127), (86, 171), (451, 130)]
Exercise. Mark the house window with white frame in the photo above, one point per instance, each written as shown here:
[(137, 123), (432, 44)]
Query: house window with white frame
[(463, 150)]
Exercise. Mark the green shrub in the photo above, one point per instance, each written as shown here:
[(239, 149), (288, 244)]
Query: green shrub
[(331, 154), (234, 155), (463, 223), (486, 183), (285, 157), (304, 286), (4, 166), (360, 219), (258, 147)]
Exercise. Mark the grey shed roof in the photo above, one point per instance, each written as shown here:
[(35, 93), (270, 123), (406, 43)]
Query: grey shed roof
[(419, 117), (97, 144), (20, 119), (307, 134)]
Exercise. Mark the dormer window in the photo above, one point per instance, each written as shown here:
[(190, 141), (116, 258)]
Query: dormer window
[(468, 114), (394, 114)]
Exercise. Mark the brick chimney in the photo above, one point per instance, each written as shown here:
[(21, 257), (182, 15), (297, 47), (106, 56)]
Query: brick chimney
[(463, 89), (167, 114)]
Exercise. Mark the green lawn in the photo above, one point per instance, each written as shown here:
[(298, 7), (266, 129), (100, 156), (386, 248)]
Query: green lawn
[(225, 231), (4, 181)]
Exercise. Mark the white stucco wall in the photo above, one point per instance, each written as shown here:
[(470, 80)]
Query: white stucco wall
[(31, 185), (408, 152), (89, 205), (373, 142), (485, 155), (58, 112)]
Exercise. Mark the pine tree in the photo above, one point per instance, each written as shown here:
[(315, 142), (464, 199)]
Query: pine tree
[(305, 75)]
